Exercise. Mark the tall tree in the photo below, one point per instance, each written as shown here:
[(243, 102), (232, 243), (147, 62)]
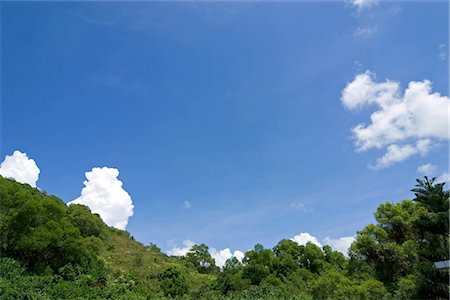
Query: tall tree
[(199, 256), (433, 237)]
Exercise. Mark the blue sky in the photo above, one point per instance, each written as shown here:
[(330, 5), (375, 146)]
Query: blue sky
[(233, 107)]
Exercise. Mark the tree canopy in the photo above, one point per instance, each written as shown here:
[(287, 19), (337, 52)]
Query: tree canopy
[(54, 251)]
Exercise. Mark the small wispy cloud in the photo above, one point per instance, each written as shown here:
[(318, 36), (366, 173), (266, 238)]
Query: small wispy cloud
[(357, 66), (361, 5), (426, 169), (397, 153), (445, 177), (299, 206), (187, 204), (365, 32), (442, 52)]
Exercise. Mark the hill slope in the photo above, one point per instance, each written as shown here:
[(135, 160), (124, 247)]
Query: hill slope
[(49, 250), (61, 251)]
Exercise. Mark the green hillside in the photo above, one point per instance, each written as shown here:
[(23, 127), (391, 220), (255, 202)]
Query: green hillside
[(50, 250)]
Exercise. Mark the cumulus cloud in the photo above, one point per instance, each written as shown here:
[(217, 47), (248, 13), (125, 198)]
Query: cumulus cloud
[(183, 250), (220, 256), (304, 238), (21, 168), (239, 255), (187, 204), (406, 124), (341, 244), (103, 194), (426, 169)]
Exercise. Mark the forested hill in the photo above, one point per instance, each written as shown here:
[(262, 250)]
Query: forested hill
[(50, 250)]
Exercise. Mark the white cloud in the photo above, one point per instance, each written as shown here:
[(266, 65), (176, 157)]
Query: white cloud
[(220, 256), (183, 250), (187, 204), (340, 244), (304, 238), (364, 32), (20, 168), (363, 4), (239, 255), (445, 177), (442, 52), (405, 124), (103, 194), (299, 206), (397, 153), (426, 169)]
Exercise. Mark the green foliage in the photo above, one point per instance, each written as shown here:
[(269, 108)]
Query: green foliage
[(10, 269), (200, 258), (37, 231), (409, 237), (259, 263), (334, 258), (231, 278), (173, 282), (52, 251), (269, 292), (334, 285), (406, 288), (153, 247), (89, 224)]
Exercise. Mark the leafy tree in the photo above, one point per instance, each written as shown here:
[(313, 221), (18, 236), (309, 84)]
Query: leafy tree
[(432, 237), (10, 269), (409, 237), (389, 246), (433, 225), (334, 285), (51, 251), (199, 257), (313, 258), (153, 247), (397, 219), (173, 282), (37, 231), (231, 278), (334, 258), (288, 255), (259, 263), (89, 224)]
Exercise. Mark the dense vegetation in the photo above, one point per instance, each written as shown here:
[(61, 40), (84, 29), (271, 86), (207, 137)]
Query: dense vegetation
[(52, 251)]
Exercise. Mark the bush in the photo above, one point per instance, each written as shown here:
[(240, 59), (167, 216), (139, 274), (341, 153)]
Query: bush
[(10, 269), (173, 282)]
